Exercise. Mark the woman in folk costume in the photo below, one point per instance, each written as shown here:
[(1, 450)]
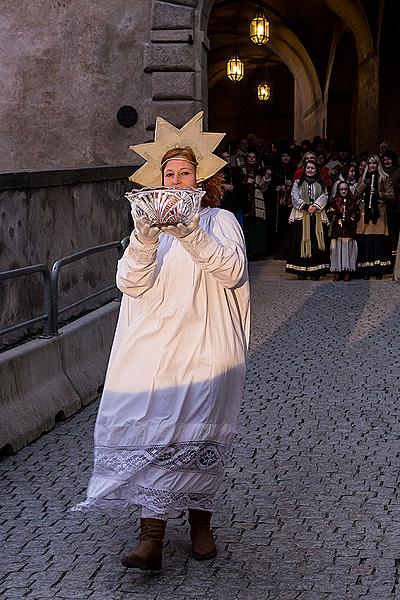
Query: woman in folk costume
[(256, 182), (374, 190), (343, 214), (308, 248), (174, 385)]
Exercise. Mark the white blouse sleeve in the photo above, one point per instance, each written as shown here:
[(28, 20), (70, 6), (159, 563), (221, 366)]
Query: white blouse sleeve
[(297, 200), (136, 270), (223, 254), (321, 201)]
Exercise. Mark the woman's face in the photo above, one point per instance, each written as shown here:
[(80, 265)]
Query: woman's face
[(251, 158), (226, 157), (372, 166), (343, 189), (309, 156), (388, 162), (352, 173), (361, 167), (179, 173), (311, 169)]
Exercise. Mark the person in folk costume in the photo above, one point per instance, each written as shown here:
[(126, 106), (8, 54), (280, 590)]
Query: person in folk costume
[(374, 190), (174, 384), (391, 167), (279, 203), (308, 247), (234, 198), (343, 215), (347, 174), (396, 268), (256, 181), (324, 171)]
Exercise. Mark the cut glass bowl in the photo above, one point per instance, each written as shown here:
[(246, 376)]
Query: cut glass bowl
[(166, 206)]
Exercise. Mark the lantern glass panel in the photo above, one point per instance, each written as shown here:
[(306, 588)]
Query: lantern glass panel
[(235, 68), (259, 29)]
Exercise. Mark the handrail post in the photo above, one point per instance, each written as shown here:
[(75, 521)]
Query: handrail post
[(46, 302), (53, 312)]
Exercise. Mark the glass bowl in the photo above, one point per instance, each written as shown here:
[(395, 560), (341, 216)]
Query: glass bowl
[(165, 206)]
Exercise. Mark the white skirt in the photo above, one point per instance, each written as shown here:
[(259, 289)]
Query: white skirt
[(343, 254)]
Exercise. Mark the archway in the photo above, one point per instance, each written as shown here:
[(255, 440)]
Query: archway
[(296, 103)]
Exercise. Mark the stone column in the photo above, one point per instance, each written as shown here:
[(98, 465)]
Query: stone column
[(367, 106), (308, 120), (171, 57)]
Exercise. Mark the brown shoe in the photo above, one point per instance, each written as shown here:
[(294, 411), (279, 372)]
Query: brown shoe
[(347, 276), (148, 553), (203, 544)]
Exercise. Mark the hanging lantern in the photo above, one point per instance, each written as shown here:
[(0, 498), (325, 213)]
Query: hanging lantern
[(235, 68), (263, 91), (259, 28)]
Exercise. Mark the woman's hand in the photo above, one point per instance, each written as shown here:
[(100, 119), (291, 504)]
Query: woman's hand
[(180, 230), (144, 233), (312, 209)]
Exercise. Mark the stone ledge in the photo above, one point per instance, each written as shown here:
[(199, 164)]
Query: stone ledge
[(168, 57), (171, 35), (174, 86), (55, 177), (172, 16), (177, 113)]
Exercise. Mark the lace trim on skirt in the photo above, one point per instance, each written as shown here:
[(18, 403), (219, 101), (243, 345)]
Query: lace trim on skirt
[(202, 457), (159, 502), (118, 472)]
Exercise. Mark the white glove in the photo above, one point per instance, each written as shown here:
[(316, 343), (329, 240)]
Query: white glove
[(144, 233), (180, 230)]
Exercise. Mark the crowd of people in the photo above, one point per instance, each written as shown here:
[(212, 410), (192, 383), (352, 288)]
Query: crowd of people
[(316, 205)]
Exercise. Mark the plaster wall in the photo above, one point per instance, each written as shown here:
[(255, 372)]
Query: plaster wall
[(70, 66)]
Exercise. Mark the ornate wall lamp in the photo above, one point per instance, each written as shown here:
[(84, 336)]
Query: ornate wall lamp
[(259, 28), (235, 66), (263, 91)]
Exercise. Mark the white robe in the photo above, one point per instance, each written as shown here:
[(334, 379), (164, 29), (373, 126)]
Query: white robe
[(175, 378)]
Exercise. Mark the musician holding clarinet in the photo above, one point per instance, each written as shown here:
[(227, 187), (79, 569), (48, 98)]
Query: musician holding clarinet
[(373, 191)]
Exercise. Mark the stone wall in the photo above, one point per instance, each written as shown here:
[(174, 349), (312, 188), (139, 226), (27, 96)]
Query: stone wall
[(70, 66), (43, 224)]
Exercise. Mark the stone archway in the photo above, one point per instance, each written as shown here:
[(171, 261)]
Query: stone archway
[(309, 108), (175, 58)]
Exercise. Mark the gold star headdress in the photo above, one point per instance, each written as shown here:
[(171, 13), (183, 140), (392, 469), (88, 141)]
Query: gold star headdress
[(166, 137)]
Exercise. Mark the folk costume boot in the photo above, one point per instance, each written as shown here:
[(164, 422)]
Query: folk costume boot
[(148, 553), (203, 544)]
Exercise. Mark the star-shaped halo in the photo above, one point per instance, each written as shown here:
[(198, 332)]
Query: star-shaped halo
[(166, 137)]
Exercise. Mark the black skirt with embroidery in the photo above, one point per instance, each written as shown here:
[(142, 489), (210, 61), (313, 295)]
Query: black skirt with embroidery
[(374, 255), (318, 262)]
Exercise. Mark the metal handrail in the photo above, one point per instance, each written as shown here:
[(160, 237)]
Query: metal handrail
[(24, 272), (55, 273), (51, 311)]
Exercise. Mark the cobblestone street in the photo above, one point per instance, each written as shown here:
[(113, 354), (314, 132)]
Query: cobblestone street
[(309, 508)]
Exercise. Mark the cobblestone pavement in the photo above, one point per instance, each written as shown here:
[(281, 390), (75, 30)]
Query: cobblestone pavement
[(309, 508)]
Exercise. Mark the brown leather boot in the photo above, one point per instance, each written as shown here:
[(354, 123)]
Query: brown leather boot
[(148, 553), (203, 544)]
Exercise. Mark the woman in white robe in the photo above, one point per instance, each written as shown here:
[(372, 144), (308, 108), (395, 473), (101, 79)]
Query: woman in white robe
[(175, 378)]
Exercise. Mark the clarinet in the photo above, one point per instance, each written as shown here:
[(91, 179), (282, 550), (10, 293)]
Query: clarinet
[(371, 191)]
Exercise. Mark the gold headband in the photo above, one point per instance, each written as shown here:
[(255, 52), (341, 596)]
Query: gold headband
[(178, 158), (167, 137)]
